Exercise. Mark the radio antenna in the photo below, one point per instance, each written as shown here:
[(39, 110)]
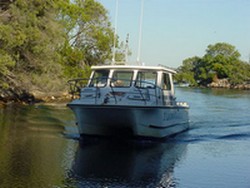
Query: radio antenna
[(140, 34), (115, 33)]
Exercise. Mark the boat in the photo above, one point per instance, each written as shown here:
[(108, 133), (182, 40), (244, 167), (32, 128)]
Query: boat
[(128, 101)]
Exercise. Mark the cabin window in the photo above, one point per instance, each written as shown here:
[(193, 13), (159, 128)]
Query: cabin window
[(100, 78), (166, 84), (146, 79), (122, 79)]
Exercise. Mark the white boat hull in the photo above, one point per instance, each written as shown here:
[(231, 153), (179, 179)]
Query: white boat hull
[(124, 100), (117, 120)]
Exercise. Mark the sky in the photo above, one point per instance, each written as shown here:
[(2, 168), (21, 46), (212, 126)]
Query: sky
[(173, 30)]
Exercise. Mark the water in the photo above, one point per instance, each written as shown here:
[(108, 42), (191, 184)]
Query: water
[(40, 147)]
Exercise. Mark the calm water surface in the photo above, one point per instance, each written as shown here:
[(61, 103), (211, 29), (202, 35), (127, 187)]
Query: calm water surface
[(40, 147)]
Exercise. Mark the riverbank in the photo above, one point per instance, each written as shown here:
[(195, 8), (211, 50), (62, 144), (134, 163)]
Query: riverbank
[(18, 95), (219, 83)]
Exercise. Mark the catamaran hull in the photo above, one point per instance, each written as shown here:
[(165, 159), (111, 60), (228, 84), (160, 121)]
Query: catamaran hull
[(113, 120)]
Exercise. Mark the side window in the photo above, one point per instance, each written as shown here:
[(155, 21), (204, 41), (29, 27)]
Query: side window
[(100, 78), (146, 79), (122, 79), (166, 85)]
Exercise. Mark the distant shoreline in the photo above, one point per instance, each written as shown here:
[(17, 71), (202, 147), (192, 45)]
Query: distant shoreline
[(224, 84)]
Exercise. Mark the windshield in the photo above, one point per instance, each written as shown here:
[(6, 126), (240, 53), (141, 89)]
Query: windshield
[(99, 79), (146, 79), (122, 79)]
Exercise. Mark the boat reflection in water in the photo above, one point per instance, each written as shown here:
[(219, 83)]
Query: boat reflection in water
[(108, 163)]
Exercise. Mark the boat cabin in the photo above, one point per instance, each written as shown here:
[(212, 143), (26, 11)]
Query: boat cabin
[(129, 85)]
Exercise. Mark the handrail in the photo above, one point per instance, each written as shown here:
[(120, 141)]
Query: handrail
[(140, 91), (112, 80), (154, 86), (77, 84), (113, 90)]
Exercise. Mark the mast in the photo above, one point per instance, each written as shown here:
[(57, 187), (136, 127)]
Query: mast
[(115, 33), (140, 34)]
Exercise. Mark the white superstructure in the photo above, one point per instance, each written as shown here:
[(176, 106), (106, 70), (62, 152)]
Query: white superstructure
[(130, 101)]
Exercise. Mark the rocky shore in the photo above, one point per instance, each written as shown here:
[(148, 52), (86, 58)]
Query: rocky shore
[(18, 95), (224, 83)]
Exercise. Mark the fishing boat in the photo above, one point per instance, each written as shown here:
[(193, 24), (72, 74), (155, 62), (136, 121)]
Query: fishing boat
[(128, 100)]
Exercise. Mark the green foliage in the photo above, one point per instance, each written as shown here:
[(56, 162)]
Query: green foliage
[(6, 62), (221, 61), (45, 42), (89, 31), (30, 38), (89, 36), (224, 49), (240, 73), (186, 72)]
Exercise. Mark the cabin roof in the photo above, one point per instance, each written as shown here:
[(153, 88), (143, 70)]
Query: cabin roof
[(134, 67)]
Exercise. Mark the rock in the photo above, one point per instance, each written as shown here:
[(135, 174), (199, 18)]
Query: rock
[(47, 97), (224, 83)]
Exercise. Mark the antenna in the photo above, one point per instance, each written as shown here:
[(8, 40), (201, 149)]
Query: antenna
[(140, 34), (115, 33)]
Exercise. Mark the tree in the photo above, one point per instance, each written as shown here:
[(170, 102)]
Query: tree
[(90, 35), (220, 58), (224, 49), (221, 61), (187, 70), (30, 38), (44, 42), (89, 31)]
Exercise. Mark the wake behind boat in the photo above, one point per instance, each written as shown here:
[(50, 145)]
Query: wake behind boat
[(126, 100)]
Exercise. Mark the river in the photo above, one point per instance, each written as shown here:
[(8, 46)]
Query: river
[(40, 147)]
